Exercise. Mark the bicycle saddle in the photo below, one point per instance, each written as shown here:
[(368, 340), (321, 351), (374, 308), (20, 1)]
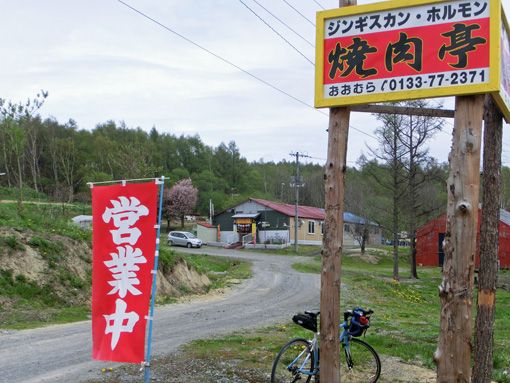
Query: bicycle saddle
[(313, 313)]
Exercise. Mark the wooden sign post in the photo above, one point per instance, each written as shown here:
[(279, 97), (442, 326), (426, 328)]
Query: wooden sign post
[(392, 51), (453, 355), (338, 132), (332, 244)]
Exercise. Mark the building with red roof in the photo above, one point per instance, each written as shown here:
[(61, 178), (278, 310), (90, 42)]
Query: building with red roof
[(257, 221)]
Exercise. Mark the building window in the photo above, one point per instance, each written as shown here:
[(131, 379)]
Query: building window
[(322, 228), (311, 227)]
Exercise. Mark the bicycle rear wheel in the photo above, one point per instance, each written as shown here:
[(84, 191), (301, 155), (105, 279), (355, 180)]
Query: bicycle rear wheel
[(360, 364), (292, 358)]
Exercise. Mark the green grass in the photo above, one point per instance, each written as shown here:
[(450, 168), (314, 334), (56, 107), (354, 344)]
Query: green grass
[(302, 250), (406, 312), (45, 218), (222, 272), (25, 317), (35, 304)]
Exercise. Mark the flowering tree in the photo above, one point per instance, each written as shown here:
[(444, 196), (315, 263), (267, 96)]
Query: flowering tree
[(179, 200)]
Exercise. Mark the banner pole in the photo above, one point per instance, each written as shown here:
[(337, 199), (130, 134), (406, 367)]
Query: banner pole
[(154, 278)]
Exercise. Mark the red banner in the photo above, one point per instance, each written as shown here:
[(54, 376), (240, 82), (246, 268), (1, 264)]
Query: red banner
[(124, 244)]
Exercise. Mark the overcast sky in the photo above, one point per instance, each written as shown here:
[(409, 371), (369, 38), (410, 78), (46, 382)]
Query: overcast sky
[(207, 67)]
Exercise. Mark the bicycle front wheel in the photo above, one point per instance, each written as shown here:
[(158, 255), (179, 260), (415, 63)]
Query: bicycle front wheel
[(292, 361), (359, 363)]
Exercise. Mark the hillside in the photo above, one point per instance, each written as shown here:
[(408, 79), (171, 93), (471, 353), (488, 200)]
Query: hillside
[(45, 274)]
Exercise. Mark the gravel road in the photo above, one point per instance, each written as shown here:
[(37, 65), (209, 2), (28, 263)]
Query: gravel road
[(62, 353)]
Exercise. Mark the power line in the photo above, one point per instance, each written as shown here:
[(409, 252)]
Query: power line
[(219, 57), (274, 30), (265, 9), (316, 2), (235, 66), (299, 13)]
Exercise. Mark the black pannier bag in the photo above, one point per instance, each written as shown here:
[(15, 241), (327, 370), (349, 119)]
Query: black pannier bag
[(306, 321)]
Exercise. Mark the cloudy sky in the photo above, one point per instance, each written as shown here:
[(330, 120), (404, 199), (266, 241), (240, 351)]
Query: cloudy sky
[(226, 70)]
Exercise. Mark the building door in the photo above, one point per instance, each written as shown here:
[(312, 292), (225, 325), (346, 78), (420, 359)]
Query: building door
[(441, 251)]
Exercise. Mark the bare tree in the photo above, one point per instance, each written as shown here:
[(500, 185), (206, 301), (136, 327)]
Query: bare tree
[(403, 151), (358, 201), (65, 152), (34, 149), (391, 153), (415, 131)]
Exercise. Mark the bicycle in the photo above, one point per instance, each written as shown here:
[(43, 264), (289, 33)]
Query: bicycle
[(299, 359)]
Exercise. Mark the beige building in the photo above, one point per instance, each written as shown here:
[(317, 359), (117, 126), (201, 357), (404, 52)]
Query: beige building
[(257, 221)]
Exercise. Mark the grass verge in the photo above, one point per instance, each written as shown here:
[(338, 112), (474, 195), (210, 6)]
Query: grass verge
[(406, 312)]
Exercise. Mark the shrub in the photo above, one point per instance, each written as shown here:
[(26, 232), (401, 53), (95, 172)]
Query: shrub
[(12, 242), (49, 250)]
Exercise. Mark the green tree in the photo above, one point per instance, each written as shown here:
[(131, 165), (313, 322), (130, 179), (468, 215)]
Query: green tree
[(231, 167), (15, 120), (505, 188)]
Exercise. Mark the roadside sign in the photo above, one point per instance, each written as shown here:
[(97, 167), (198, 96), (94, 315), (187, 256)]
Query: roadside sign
[(396, 50), (503, 96)]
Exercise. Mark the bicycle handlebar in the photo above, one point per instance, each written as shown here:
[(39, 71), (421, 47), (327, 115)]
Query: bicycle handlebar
[(366, 313), (347, 314)]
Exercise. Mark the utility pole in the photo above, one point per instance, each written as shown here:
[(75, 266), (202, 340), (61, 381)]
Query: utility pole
[(334, 183), (297, 182)]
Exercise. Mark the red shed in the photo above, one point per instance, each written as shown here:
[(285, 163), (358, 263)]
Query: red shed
[(430, 237)]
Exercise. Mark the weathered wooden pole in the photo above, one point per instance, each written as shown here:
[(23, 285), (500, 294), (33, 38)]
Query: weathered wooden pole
[(489, 244), (338, 132), (453, 354), (332, 244)]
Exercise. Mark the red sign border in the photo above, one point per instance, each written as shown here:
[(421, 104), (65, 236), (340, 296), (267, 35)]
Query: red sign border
[(493, 86)]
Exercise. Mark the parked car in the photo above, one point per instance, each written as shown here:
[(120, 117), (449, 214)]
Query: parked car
[(183, 238)]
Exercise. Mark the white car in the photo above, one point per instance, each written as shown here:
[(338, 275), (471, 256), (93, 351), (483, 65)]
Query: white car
[(183, 238)]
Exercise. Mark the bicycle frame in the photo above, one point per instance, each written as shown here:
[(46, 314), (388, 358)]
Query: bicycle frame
[(302, 364), (344, 338), (313, 348)]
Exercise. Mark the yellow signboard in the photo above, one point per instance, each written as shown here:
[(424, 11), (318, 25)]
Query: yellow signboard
[(399, 50), (503, 96)]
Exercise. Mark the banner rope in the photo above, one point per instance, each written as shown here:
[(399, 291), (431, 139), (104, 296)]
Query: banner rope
[(158, 180)]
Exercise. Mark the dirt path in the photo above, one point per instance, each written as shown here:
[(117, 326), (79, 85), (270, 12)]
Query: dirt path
[(63, 353)]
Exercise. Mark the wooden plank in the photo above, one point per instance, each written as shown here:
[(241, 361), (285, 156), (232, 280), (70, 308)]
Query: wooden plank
[(390, 109)]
